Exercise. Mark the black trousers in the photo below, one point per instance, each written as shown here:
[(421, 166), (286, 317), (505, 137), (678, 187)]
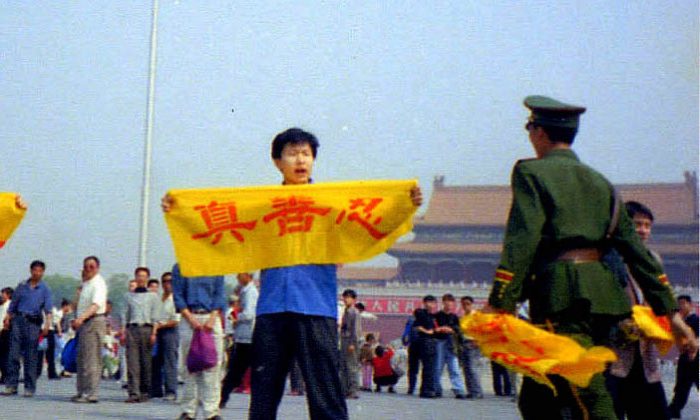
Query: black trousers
[(413, 365), (51, 355), (428, 358), (686, 377), (238, 363), (4, 353), (381, 381), (313, 340)]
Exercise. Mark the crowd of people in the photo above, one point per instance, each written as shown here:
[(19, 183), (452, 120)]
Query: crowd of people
[(151, 333), (290, 326)]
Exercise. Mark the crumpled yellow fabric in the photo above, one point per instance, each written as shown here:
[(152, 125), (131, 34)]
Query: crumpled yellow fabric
[(10, 216), (655, 328), (524, 348)]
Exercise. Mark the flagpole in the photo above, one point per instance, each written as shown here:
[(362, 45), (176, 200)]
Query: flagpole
[(145, 191)]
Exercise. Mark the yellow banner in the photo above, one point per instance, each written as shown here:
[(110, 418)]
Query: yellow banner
[(232, 230), (524, 348), (655, 328), (10, 216)]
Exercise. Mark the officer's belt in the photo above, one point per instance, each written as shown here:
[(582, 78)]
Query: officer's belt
[(580, 255)]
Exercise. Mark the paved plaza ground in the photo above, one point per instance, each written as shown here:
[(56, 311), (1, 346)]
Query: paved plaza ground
[(52, 402)]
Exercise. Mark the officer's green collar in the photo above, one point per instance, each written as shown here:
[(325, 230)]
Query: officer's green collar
[(566, 153)]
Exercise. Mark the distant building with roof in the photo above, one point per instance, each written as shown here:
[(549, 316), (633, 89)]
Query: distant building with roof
[(459, 237), (457, 246)]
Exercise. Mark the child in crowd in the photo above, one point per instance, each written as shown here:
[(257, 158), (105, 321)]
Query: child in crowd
[(366, 355), (110, 360), (383, 372)]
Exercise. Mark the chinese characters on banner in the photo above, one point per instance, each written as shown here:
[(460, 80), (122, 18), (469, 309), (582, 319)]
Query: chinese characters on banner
[(222, 231), (10, 216)]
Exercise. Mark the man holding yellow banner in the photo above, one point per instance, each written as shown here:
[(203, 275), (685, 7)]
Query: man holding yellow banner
[(297, 234), (560, 224), (12, 209)]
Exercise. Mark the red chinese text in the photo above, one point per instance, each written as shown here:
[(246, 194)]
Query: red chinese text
[(219, 218), (360, 212), (294, 214)]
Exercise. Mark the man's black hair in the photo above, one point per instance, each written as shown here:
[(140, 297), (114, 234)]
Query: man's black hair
[(469, 298), (293, 136), (350, 292), (635, 208), (166, 274), (92, 257), (151, 281), (360, 306), (449, 297), (429, 298), (37, 263), (369, 337), (8, 291), (142, 269), (65, 302), (686, 298), (559, 134)]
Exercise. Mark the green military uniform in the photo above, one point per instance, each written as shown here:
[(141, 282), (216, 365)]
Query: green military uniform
[(558, 227)]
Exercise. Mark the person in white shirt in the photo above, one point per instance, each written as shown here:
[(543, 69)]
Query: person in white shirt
[(168, 341), (90, 326)]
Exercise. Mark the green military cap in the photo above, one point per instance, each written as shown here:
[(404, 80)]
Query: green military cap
[(550, 112)]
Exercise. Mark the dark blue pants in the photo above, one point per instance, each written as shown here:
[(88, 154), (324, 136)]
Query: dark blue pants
[(164, 368), (313, 340), (24, 338), (501, 380), (686, 377)]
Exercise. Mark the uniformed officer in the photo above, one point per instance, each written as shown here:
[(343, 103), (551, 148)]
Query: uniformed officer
[(562, 220)]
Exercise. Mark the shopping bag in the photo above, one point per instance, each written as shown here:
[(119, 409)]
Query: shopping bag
[(43, 344), (202, 355), (69, 357)]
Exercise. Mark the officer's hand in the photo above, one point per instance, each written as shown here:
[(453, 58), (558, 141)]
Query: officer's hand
[(20, 203), (685, 337), (416, 196), (167, 203)]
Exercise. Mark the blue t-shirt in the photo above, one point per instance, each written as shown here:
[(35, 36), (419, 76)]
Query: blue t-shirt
[(303, 289), (198, 293), (30, 300)]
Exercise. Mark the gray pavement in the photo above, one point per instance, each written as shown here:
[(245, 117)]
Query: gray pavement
[(52, 402)]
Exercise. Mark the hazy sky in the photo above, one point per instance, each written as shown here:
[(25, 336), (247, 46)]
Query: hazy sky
[(397, 90)]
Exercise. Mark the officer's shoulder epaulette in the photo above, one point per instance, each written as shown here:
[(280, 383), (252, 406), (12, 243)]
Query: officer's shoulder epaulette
[(524, 163)]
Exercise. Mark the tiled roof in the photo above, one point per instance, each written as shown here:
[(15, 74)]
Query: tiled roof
[(367, 273), (672, 203), (443, 248), (470, 248)]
